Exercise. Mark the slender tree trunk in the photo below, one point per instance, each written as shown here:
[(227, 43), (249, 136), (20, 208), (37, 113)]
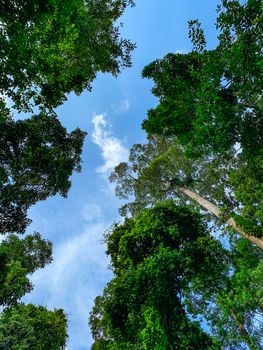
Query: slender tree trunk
[(243, 331), (218, 213)]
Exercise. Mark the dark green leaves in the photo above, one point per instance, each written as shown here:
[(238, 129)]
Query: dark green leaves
[(155, 258), (37, 157), (211, 100), (51, 48), (19, 258), (32, 327)]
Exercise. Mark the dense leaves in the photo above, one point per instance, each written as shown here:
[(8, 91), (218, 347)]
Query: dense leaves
[(235, 311), (239, 305), (156, 258), (203, 119), (37, 157), (18, 259), (159, 169), (33, 327), (167, 268), (48, 49), (211, 100), (51, 48), (152, 174), (208, 122), (205, 146)]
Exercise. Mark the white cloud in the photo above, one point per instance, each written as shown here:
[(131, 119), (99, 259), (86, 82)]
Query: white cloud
[(113, 151), (122, 107), (76, 276), (79, 271), (92, 212)]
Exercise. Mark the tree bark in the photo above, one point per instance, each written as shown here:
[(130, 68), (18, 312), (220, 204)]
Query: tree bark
[(219, 214), (243, 331)]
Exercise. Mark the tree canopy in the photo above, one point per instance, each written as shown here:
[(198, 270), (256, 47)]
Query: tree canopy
[(160, 170), (18, 259), (37, 158), (204, 150), (156, 258), (170, 274), (51, 48), (48, 50), (207, 127), (211, 99), (32, 327)]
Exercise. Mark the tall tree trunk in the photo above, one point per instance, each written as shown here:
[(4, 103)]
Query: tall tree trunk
[(243, 331), (219, 214)]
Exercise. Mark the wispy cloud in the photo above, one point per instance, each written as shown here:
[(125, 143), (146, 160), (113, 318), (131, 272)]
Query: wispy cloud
[(79, 271), (76, 276), (92, 212), (112, 149), (121, 107)]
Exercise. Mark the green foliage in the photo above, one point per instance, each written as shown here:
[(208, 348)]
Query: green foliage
[(243, 296), (235, 311), (26, 327), (240, 44), (152, 174), (211, 100), (37, 157), (175, 85), (153, 335), (156, 258), (247, 181), (158, 168), (50, 48), (193, 106), (205, 135), (206, 132), (18, 259), (197, 35)]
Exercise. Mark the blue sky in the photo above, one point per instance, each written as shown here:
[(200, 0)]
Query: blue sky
[(111, 114)]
